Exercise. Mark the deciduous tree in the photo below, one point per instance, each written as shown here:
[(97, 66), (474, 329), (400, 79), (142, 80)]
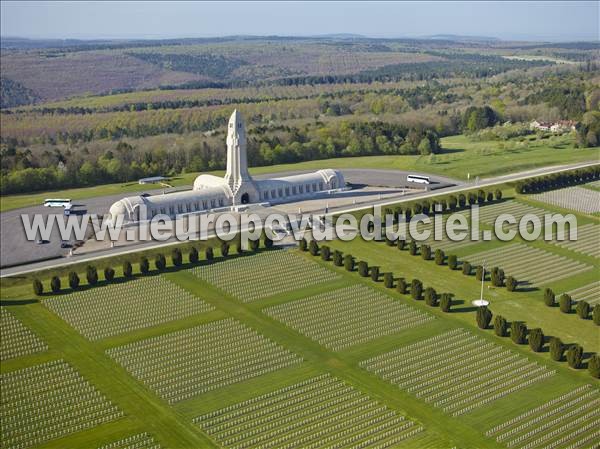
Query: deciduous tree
[(38, 287), (375, 274), (557, 349), (479, 272), (426, 252), (388, 280), (412, 248), (574, 356), (313, 248), (518, 332), (594, 366), (500, 326), (439, 257), (445, 302), (536, 339), (483, 317), (583, 310), (55, 284), (109, 274), (402, 286), (416, 289), (144, 265), (338, 258), (549, 297), (466, 268), (160, 262), (73, 280), (176, 257), (363, 268), (511, 284), (349, 262), (91, 275), (224, 249), (565, 303), (193, 256), (431, 298), (127, 269), (452, 261)]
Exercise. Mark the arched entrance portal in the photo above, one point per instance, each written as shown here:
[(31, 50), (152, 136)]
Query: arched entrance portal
[(245, 198)]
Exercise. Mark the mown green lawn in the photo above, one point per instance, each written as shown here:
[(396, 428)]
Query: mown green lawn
[(172, 425), (461, 157)]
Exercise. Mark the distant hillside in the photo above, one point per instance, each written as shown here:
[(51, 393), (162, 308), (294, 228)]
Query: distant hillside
[(50, 70)]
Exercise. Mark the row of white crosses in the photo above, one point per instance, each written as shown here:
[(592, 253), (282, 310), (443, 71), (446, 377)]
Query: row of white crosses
[(321, 411), (139, 441), (579, 401), (567, 431), (584, 389), (254, 277), (588, 240), (347, 316), (461, 374), (559, 417), (564, 417), (185, 363), (126, 306), (578, 199), (527, 263), (504, 392), (17, 339), (48, 401)]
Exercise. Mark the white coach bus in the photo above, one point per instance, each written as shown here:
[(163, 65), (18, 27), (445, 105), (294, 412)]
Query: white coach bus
[(57, 202), (418, 179)]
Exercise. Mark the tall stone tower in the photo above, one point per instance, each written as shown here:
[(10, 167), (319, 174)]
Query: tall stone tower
[(237, 176)]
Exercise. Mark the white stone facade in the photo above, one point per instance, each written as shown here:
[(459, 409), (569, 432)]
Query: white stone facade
[(236, 188)]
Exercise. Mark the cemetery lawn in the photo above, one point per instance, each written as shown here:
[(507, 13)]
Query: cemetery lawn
[(172, 426)]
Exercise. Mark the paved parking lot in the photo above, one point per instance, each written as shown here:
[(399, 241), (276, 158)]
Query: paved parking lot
[(368, 186)]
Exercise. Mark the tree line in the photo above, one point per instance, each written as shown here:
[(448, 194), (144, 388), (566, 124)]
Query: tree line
[(160, 263), (558, 180), (536, 340), (22, 172), (517, 330)]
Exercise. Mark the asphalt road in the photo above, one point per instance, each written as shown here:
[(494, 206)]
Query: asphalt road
[(18, 250), (17, 243)]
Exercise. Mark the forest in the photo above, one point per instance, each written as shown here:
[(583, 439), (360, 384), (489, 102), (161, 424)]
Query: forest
[(302, 99)]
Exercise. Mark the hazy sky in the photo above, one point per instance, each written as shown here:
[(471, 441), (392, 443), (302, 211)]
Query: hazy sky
[(542, 20)]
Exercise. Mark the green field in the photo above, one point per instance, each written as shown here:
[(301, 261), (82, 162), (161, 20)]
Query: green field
[(277, 360), (461, 157), (282, 348)]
